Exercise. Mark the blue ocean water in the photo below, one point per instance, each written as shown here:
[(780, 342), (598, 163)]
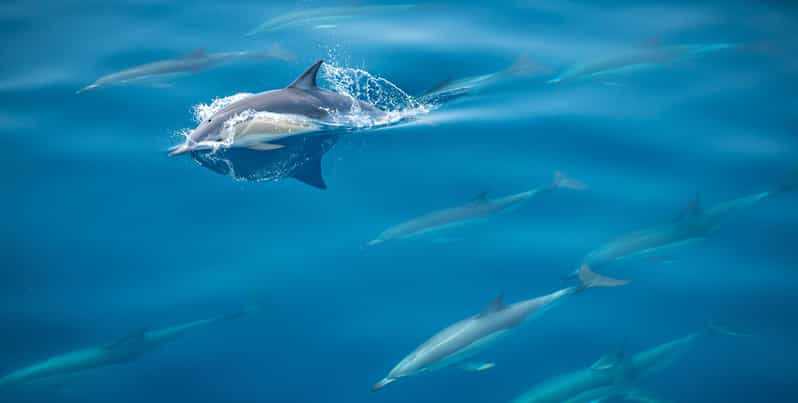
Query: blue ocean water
[(104, 234)]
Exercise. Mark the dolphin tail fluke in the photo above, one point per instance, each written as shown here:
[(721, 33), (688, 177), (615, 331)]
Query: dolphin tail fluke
[(383, 383), (560, 181), (588, 279)]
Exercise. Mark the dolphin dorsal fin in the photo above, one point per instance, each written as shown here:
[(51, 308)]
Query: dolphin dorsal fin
[(495, 306), (480, 197), (691, 211), (198, 52), (307, 81), (131, 338)]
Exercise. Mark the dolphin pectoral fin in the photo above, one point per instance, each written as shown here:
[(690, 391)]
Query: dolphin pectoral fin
[(477, 366), (264, 146), (310, 173)]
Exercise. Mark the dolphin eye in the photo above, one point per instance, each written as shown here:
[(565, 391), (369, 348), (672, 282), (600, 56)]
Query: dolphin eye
[(209, 120)]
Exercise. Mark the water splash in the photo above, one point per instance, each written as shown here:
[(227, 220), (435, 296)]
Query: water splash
[(202, 112), (396, 104)]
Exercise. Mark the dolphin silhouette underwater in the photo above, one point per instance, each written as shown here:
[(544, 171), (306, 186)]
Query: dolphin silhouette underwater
[(193, 62), (469, 336), (477, 209), (615, 375), (637, 60), (120, 351), (326, 17), (258, 121), (693, 224), (300, 158), (451, 89)]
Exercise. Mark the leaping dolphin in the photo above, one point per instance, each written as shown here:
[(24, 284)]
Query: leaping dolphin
[(123, 350), (693, 224), (195, 61), (467, 337), (479, 208), (614, 375), (256, 121)]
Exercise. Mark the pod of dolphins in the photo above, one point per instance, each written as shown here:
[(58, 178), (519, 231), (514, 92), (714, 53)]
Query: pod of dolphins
[(284, 127)]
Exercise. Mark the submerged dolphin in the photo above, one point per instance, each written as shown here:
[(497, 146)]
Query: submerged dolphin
[(193, 62), (325, 17), (693, 224), (258, 120), (479, 208), (613, 375), (123, 350), (638, 60), (452, 89), (467, 337)]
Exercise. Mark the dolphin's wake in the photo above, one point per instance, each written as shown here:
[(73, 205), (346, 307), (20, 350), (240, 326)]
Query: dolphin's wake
[(289, 145)]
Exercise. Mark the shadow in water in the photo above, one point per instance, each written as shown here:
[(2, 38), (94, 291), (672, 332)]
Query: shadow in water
[(299, 158)]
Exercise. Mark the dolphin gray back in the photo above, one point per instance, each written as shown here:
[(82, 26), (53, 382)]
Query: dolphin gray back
[(304, 97)]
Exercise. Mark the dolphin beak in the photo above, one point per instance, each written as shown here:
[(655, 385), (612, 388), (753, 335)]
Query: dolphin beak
[(381, 384), (374, 242), (181, 149), (86, 88)]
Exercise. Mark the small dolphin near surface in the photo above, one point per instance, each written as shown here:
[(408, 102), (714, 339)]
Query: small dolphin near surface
[(479, 208), (638, 60), (326, 17), (467, 337), (193, 62), (448, 90), (691, 225), (258, 120), (123, 350), (615, 375)]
